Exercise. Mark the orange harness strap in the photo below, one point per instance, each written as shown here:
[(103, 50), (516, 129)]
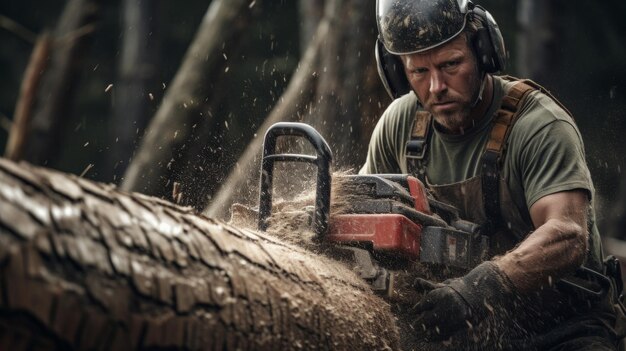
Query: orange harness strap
[(492, 158)]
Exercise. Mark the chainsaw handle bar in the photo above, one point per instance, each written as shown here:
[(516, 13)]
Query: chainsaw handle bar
[(322, 161)]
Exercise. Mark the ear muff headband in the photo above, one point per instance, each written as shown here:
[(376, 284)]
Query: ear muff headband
[(391, 72), (488, 44)]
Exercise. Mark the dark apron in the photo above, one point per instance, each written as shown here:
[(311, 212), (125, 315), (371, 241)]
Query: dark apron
[(467, 197)]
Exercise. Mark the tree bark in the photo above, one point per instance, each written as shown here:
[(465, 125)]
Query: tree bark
[(135, 88), (58, 85), (151, 170), (84, 266)]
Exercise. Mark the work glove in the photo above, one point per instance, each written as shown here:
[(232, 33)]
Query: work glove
[(461, 303)]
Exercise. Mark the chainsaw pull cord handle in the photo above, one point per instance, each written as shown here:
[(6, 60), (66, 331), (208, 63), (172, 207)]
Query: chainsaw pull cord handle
[(322, 160)]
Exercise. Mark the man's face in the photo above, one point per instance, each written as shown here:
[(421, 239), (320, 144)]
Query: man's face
[(446, 81)]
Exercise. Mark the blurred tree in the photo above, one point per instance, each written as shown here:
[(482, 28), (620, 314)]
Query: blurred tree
[(154, 168), (310, 13), (19, 130), (349, 97), (617, 227), (336, 90), (536, 38), (55, 93), (137, 74), (241, 185)]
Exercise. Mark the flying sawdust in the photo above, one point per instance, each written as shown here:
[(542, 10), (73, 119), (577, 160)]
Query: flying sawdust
[(291, 222)]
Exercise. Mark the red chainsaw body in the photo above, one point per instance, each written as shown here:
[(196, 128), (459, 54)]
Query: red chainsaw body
[(382, 213), (386, 232)]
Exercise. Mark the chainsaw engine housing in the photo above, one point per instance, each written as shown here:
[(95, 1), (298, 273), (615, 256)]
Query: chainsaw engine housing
[(392, 215)]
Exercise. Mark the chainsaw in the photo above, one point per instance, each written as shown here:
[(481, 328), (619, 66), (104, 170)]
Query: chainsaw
[(391, 220), (392, 217)]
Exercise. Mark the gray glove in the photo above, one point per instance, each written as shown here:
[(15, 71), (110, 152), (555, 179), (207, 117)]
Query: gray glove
[(461, 303)]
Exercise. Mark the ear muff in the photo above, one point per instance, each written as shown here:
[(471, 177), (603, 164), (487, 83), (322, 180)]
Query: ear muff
[(488, 43), (391, 72)]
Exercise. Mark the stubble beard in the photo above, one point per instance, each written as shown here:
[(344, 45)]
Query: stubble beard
[(455, 120), (458, 120)]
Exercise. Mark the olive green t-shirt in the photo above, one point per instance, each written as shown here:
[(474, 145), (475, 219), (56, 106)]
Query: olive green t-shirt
[(545, 152)]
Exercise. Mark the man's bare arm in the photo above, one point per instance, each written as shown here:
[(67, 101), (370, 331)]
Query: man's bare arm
[(557, 246)]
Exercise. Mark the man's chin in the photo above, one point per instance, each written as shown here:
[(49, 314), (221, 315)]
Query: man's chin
[(450, 121)]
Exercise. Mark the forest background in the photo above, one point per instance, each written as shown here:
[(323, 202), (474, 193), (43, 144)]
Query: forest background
[(575, 49)]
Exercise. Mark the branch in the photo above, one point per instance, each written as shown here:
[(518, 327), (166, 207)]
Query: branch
[(57, 90), (17, 29), (24, 106), (5, 123)]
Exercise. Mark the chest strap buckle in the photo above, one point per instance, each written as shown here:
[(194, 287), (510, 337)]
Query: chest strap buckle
[(416, 149)]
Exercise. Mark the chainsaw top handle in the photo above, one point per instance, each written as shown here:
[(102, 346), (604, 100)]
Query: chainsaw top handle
[(322, 160)]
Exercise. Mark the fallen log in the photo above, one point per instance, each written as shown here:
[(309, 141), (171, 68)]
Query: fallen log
[(85, 266)]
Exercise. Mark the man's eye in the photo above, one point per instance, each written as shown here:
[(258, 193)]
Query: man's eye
[(451, 64), (420, 71)]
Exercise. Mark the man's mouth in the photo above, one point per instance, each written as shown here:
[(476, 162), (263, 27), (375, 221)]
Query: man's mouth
[(444, 105)]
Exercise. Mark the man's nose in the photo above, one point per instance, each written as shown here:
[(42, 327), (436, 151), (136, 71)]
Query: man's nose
[(437, 82)]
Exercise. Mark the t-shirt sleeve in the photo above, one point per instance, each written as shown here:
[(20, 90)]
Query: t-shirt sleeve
[(553, 160)]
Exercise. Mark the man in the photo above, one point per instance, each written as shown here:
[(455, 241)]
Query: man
[(510, 157)]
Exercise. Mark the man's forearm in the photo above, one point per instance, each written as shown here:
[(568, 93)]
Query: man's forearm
[(555, 248)]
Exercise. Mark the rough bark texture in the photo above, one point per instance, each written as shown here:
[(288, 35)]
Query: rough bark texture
[(84, 266), (163, 145), (58, 85)]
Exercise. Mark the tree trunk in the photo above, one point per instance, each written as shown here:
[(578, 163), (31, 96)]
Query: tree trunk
[(535, 42), (86, 266), (614, 241), (617, 221), (136, 84), (56, 92), (152, 169), (311, 13), (348, 93)]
